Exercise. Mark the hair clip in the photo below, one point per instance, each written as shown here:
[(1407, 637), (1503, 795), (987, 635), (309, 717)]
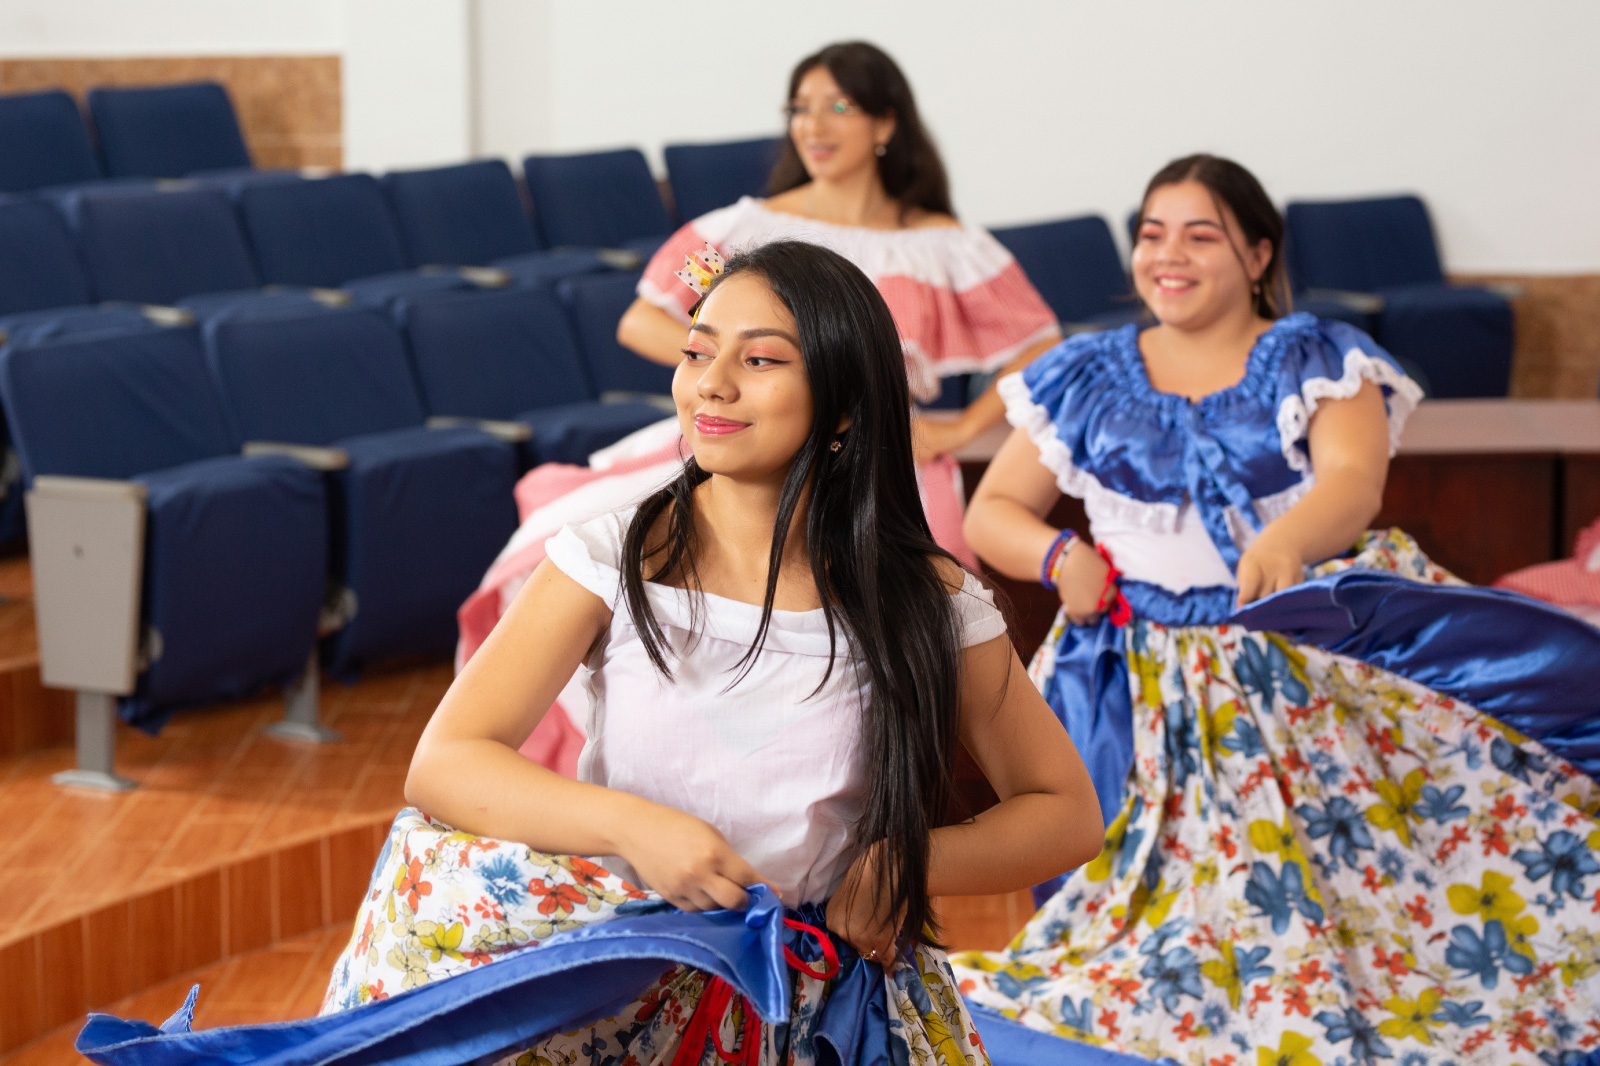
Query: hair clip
[(699, 269)]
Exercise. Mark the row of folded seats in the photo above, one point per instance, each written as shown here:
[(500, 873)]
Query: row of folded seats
[(1372, 263), (306, 473)]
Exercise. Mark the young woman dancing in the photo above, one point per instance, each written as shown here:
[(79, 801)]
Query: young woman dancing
[(1322, 847), (859, 173), (782, 663)]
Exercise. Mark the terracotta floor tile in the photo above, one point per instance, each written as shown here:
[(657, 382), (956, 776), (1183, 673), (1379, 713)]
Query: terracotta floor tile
[(61, 974), (20, 1020), (108, 954), (54, 1050), (204, 843), (247, 904)]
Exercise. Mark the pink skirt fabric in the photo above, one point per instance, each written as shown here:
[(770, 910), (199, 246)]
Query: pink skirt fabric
[(555, 494)]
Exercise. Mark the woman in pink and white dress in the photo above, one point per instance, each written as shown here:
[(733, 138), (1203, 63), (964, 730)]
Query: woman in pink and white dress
[(858, 174)]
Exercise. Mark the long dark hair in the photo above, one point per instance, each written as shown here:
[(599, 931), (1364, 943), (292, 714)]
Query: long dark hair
[(872, 556), (910, 167), (1233, 185)]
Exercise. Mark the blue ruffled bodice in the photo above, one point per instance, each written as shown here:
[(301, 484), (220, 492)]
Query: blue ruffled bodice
[(1239, 454)]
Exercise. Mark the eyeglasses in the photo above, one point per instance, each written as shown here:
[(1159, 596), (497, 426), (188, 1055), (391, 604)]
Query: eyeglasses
[(839, 107)]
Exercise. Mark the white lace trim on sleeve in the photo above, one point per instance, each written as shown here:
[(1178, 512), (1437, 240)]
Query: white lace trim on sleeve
[(1034, 420), (1295, 412)]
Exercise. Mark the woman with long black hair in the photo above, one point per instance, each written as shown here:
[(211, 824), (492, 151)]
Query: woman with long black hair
[(859, 173), (782, 663)]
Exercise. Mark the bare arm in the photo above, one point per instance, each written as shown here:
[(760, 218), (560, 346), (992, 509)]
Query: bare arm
[(651, 332), (1048, 818), (1005, 525), (1349, 442), (942, 438), (467, 771)]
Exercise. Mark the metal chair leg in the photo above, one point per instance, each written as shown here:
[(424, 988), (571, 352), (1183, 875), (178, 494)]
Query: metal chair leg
[(97, 746), (302, 709)]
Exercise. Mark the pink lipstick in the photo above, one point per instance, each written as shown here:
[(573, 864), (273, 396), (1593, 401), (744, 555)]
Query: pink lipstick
[(712, 426)]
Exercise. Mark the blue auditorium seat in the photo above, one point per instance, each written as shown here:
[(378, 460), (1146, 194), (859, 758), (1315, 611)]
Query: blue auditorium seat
[(509, 355), (179, 247), (595, 303), (472, 215), (157, 246), (235, 556), (44, 291), (332, 232), (1460, 336), (418, 514), (167, 131), (1075, 265), (705, 177), (597, 200), (43, 142)]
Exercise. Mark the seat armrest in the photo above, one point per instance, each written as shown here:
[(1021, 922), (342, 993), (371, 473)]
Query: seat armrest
[(324, 459), (485, 277), (510, 432), (619, 258), (661, 403), (1508, 289), (162, 315), (1365, 303), (332, 297)]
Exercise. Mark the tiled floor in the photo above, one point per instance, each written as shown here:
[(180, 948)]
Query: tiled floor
[(213, 788)]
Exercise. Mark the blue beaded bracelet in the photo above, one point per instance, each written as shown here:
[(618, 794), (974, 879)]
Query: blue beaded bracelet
[(1052, 558)]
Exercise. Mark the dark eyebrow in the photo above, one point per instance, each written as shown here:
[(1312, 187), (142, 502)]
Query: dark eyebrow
[(752, 334), (746, 334), (1204, 222)]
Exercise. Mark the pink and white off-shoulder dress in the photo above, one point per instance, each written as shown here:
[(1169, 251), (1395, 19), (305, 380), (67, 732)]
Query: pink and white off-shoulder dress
[(961, 303)]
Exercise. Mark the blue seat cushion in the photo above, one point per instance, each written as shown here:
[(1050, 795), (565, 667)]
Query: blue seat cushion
[(1460, 337), (571, 432), (276, 300), (35, 327), (418, 517), (596, 303), (235, 573), (381, 290), (539, 269)]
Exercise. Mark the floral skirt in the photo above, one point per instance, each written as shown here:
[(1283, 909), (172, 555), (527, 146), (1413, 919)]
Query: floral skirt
[(443, 903), (1318, 862)]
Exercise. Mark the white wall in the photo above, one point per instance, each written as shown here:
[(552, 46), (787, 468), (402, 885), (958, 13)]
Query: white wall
[(170, 27), (407, 83), (1044, 108)]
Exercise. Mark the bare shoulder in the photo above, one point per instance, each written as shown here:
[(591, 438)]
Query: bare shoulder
[(917, 218)]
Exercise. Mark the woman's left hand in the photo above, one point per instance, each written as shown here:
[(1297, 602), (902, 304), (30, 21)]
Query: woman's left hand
[(1269, 565), (933, 437), (858, 911)]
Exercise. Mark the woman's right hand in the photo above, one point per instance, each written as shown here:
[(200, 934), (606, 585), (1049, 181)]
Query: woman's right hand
[(1081, 581), (687, 861)]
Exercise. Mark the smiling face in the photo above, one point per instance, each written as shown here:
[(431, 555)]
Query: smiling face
[(743, 399), (1191, 263), (834, 137)]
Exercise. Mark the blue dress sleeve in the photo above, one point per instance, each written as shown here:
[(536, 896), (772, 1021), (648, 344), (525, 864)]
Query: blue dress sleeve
[(1056, 399), (1329, 360)]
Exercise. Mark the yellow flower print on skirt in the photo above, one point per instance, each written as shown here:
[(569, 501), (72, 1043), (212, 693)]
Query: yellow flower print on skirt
[(443, 902), (1319, 863)]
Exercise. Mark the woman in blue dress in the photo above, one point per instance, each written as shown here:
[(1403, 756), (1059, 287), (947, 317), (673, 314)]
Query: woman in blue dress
[(1333, 836)]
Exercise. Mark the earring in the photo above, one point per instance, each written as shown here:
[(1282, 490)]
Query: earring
[(834, 447), (1256, 289), (881, 150)]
